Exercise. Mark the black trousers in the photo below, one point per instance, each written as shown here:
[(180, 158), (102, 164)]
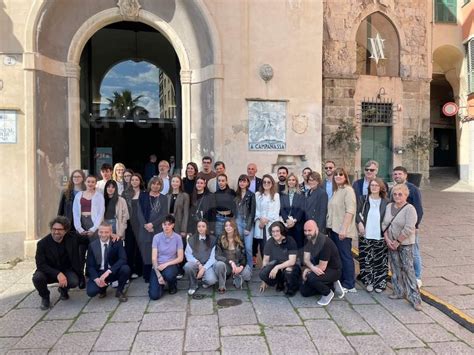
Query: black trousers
[(134, 258), (320, 285), (41, 281), (289, 276), (121, 276)]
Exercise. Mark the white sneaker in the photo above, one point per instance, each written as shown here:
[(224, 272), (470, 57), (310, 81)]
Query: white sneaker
[(338, 289), (370, 288), (419, 283), (114, 284), (325, 300), (205, 285), (134, 276), (192, 291), (350, 290)]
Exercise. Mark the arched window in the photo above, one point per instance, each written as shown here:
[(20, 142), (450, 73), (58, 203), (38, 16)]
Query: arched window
[(137, 90), (378, 47)]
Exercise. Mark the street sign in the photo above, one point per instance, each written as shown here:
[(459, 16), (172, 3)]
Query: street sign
[(450, 109)]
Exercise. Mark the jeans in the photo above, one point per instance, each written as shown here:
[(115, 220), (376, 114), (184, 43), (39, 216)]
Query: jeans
[(113, 223), (155, 290), (248, 240), (345, 251), (223, 271), (121, 276), (41, 281), (417, 256), (219, 227), (191, 269)]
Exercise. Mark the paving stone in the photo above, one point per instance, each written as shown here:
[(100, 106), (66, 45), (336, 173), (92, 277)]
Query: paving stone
[(131, 311), (44, 334), (138, 288), (33, 300), (461, 301), (89, 322), (453, 347), (201, 307), (348, 320), (107, 304), (233, 330), (17, 322), (13, 296), (289, 340), (237, 315), (173, 303), (163, 321), (7, 343), (403, 310), (431, 333), (110, 353), (239, 294), (27, 351), (313, 313), (75, 343), (327, 337), (116, 337), (442, 291), (159, 342), (299, 301), (203, 353), (68, 309), (265, 309), (244, 345), (255, 290), (415, 351), (360, 297), (436, 281), (196, 327), (369, 344), (395, 333)]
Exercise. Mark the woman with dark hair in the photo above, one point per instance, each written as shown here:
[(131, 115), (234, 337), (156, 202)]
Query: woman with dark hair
[(245, 208), (117, 176), (75, 184), (373, 252), (224, 208), (267, 211), (127, 175), (116, 210), (292, 211), (230, 256), (200, 255), (178, 205), (190, 179), (316, 205), (201, 207), (342, 209), (279, 265), (153, 207)]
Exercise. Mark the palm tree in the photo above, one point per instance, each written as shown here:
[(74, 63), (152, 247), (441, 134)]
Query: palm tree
[(121, 105)]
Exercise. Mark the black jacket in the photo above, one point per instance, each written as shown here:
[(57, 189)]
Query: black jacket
[(201, 209), (115, 253), (65, 207), (297, 211), (363, 206), (316, 207), (246, 209), (47, 259)]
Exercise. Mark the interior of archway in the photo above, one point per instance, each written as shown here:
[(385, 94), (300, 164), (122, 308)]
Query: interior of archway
[(130, 97)]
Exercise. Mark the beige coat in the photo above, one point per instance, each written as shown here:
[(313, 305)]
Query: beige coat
[(122, 216), (180, 211), (403, 224), (343, 201)]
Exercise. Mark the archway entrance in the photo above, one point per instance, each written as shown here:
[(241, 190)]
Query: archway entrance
[(130, 97)]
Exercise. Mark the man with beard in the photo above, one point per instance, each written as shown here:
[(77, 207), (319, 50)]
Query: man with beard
[(282, 174), (328, 182)]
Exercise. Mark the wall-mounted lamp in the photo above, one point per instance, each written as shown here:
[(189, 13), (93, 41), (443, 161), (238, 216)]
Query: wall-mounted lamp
[(399, 150)]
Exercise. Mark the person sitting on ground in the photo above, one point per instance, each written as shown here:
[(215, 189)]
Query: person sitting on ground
[(279, 265), (231, 258), (200, 255), (323, 263), (166, 254), (58, 260), (106, 262)]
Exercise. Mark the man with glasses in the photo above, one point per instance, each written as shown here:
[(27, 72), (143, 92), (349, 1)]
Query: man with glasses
[(164, 174), (58, 261), (361, 186), (206, 171), (327, 185)]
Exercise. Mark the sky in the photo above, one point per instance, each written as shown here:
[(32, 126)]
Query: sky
[(141, 78)]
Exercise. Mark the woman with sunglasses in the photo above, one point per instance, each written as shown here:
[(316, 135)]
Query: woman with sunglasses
[(399, 234), (267, 211), (342, 209), (245, 202), (373, 257), (75, 184)]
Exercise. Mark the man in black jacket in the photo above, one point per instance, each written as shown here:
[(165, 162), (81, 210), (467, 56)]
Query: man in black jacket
[(106, 262), (57, 260)]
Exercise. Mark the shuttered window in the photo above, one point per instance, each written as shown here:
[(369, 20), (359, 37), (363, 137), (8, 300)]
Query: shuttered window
[(470, 66), (445, 11)]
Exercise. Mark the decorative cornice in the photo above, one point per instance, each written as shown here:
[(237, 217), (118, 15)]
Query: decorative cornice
[(129, 9)]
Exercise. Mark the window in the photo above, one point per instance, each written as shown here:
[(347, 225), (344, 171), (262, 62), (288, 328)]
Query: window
[(445, 11), (378, 47), (470, 66), (377, 113)]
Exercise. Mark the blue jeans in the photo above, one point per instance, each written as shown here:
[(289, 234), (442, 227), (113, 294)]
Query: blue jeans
[(345, 251), (155, 290), (248, 240), (417, 256), (219, 228)]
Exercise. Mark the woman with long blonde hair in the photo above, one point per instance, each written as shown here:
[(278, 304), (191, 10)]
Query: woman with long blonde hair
[(117, 176)]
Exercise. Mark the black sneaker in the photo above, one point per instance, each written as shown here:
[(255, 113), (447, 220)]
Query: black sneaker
[(103, 294), (280, 287), (63, 293), (45, 303), (172, 290), (82, 282), (121, 296)]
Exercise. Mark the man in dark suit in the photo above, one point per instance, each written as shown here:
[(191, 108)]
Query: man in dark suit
[(360, 186), (316, 206), (57, 260), (255, 181), (106, 262)]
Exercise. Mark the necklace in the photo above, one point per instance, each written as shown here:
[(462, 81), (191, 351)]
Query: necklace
[(155, 203)]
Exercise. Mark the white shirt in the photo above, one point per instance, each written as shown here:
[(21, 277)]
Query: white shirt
[(253, 184), (372, 227), (102, 250), (166, 185)]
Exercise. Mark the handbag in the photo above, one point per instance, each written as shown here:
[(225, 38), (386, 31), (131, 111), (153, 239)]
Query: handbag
[(396, 214)]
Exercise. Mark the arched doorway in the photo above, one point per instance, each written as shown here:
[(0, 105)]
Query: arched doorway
[(130, 97)]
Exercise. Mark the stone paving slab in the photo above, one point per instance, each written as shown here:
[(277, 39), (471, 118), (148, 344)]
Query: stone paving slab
[(327, 337), (265, 309), (313, 313), (18, 322), (201, 307), (348, 320), (431, 333), (131, 311), (13, 296), (402, 310), (116, 337), (159, 342), (89, 322), (107, 304), (415, 351), (44, 335), (163, 321), (244, 345), (75, 343), (174, 303), (289, 340), (68, 309), (369, 344), (33, 300), (457, 348), (197, 326), (27, 352), (237, 315), (233, 330)]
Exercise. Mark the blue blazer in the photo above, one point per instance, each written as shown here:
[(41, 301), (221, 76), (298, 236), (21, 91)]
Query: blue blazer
[(316, 208), (115, 254), (296, 210)]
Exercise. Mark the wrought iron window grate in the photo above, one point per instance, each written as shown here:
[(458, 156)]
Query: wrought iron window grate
[(376, 113)]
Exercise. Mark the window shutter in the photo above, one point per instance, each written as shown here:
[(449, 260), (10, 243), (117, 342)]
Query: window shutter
[(470, 66), (445, 11)]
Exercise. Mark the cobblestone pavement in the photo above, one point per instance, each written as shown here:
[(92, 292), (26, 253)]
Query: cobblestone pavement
[(269, 323)]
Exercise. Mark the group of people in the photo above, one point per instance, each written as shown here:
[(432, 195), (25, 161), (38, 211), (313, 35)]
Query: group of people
[(210, 229)]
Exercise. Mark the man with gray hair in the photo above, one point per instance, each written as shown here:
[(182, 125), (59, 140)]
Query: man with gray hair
[(371, 168)]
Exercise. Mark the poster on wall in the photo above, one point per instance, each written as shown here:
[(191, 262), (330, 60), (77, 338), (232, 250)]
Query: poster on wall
[(103, 155), (267, 125), (8, 127)]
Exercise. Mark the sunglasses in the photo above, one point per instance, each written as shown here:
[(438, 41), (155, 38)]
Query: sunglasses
[(371, 170), (339, 174), (328, 168)]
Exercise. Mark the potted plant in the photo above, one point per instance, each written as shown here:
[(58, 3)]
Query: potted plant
[(345, 141), (420, 146)]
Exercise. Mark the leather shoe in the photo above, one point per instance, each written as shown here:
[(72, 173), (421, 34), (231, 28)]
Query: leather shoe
[(45, 303), (172, 290), (280, 287), (82, 282), (121, 296), (63, 293), (102, 294)]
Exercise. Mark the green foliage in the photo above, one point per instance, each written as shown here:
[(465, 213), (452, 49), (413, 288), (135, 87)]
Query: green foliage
[(121, 105), (345, 138), (420, 144)]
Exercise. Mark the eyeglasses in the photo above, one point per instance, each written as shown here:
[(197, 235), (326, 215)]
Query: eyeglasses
[(206, 162), (374, 185), (76, 176), (328, 168), (399, 194), (57, 229), (369, 169), (339, 174), (267, 182)]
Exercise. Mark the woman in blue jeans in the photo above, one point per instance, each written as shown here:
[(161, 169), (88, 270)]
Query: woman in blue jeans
[(166, 254), (245, 202)]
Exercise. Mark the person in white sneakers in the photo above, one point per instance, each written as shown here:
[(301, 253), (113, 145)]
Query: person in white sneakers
[(321, 257)]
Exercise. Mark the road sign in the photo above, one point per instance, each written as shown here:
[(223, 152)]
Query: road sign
[(450, 109)]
